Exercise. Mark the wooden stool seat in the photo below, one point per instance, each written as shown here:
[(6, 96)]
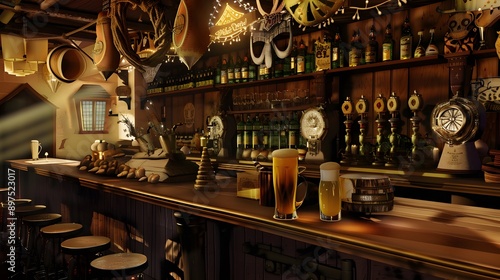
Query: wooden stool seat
[(85, 245), (43, 219), (61, 230), (17, 202), (120, 264), (83, 249), (27, 210), (52, 256)]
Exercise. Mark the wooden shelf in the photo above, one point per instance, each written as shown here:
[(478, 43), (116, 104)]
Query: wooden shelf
[(388, 65)]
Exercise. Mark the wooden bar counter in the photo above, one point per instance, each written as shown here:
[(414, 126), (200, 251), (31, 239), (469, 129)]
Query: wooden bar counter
[(438, 239)]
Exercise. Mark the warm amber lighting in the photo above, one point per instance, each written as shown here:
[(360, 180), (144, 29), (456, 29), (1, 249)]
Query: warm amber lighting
[(21, 56)]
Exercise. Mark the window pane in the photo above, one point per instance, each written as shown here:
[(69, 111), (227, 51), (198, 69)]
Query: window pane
[(87, 115), (100, 114)]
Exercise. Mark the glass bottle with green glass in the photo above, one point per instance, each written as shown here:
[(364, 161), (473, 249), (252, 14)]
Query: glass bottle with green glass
[(388, 44), (371, 50)]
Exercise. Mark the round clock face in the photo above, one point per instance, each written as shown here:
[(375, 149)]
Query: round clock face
[(451, 119), (313, 124), (217, 126), (457, 121)]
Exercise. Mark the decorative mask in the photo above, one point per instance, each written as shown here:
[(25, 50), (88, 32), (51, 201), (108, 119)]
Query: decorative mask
[(273, 24), (460, 24)]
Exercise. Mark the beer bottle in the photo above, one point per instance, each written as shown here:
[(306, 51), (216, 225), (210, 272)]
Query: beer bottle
[(237, 70), (283, 129), (371, 49), (240, 128), (252, 70), (247, 133), (265, 132), (388, 44), (293, 58), (293, 131), (244, 69), (420, 50), (223, 72), (256, 131), (337, 52), (301, 57), (431, 48), (323, 54), (406, 41), (217, 71), (355, 51), (275, 132), (230, 70)]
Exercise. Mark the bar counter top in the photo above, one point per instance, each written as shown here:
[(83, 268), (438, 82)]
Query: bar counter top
[(445, 240)]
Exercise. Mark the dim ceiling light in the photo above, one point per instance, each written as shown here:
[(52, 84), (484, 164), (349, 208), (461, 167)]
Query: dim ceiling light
[(21, 56)]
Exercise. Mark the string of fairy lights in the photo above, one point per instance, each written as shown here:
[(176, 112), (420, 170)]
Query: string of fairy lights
[(219, 8)]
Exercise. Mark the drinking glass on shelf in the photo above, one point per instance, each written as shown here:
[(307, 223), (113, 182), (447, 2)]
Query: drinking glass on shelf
[(249, 101), (286, 99), (304, 95), (275, 100), (267, 102), (259, 100), (237, 102)]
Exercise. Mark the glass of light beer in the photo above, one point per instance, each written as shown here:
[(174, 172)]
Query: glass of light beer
[(285, 177)]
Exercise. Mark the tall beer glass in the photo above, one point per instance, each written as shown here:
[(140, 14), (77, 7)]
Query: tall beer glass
[(285, 174), (329, 192)]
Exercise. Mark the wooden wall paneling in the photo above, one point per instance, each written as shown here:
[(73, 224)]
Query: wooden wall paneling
[(238, 255), (146, 227), (200, 101), (178, 104), (400, 87), (433, 84), (486, 68), (169, 111), (250, 267)]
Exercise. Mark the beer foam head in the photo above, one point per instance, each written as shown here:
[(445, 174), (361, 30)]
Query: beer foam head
[(329, 166), (285, 153)]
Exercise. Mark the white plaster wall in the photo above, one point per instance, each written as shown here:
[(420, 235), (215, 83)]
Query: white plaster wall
[(69, 143)]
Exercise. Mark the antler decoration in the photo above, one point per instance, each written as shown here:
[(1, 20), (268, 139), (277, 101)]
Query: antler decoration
[(157, 15)]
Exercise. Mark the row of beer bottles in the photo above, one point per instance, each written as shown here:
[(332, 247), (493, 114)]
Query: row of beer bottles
[(269, 131), (237, 69)]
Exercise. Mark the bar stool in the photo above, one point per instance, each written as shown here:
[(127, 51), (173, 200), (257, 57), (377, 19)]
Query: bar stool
[(83, 250), (55, 234), (34, 239), (20, 213), (13, 204), (120, 265)]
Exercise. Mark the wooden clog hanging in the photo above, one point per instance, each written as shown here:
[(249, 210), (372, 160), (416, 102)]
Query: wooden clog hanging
[(191, 36), (106, 56)]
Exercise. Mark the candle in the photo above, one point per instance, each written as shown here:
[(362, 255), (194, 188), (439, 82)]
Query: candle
[(354, 149), (203, 141)]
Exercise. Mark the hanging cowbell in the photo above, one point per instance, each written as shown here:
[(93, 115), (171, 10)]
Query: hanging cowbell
[(191, 35), (106, 56)]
